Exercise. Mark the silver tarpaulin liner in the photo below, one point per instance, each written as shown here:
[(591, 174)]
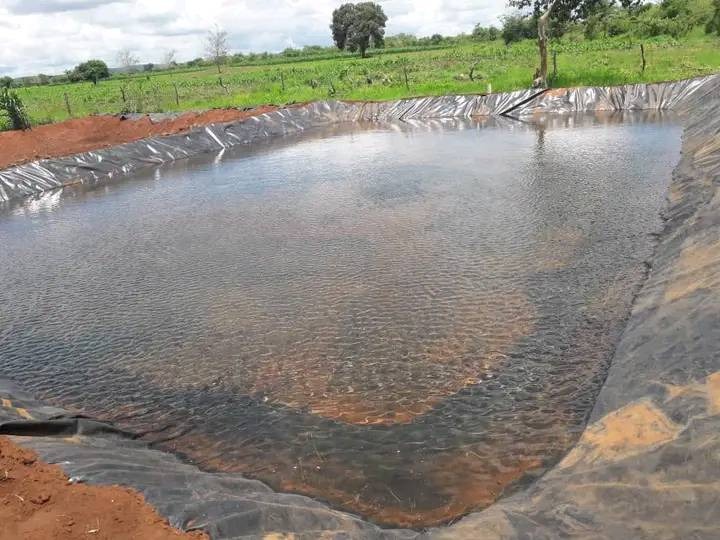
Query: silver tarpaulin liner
[(106, 164), (645, 467)]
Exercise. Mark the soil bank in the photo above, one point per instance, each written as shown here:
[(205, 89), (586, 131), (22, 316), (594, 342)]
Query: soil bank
[(37, 502), (93, 132)]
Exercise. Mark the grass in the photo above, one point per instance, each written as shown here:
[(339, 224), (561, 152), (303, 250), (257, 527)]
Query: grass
[(606, 61)]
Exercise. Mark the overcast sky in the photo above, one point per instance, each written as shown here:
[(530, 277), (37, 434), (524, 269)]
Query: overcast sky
[(49, 36)]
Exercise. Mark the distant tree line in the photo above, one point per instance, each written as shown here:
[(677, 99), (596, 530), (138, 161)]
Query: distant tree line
[(360, 28)]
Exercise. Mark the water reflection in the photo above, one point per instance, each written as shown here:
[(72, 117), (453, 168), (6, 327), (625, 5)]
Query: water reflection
[(403, 320)]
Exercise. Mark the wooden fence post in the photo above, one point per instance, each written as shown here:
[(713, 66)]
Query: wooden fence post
[(67, 104), (642, 55)]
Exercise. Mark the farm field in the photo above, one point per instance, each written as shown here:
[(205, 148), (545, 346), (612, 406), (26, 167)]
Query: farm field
[(465, 68)]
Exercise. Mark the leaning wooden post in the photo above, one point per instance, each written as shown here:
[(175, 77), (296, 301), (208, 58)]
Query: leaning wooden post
[(407, 84), (177, 95), (282, 81), (642, 55), (67, 104)]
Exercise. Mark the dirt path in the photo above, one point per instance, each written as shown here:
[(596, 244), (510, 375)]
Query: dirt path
[(93, 132), (38, 503)]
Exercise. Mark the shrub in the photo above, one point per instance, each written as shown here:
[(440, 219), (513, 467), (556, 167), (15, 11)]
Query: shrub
[(713, 25), (518, 27), (13, 108), (485, 33)]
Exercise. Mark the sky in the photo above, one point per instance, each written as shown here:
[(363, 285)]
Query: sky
[(50, 36)]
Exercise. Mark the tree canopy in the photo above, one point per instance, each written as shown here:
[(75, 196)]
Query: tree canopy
[(562, 10), (92, 70), (356, 27)]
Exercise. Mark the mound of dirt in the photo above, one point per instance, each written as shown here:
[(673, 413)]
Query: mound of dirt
[(93, 132), (37, 502)]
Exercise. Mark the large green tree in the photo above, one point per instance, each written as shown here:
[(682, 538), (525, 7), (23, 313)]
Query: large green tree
[(356, 27), (92, 70), (342, 18)]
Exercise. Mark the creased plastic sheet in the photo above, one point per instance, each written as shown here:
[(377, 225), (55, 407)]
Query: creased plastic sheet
[(225, 505), (648, 463), (106, 164), (645, 467), (658, 96)]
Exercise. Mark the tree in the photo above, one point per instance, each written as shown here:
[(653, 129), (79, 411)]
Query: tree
[(714, 24), (560, 11), (127, 59), (92, 70), (6, 82), (342, 19), (169, 58), (482, 33), (357, 27), (216, 46), (518, 27)]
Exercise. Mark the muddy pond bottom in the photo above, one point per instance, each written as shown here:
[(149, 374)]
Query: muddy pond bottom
[(404, 320)]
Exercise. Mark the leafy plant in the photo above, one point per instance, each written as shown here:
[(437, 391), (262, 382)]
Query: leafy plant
[(13, 108)]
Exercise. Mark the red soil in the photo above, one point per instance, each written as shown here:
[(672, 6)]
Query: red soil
[(93, 132), (38, 503)]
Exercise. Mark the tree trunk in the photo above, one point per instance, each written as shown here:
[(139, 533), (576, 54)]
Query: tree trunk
[(543, 24)]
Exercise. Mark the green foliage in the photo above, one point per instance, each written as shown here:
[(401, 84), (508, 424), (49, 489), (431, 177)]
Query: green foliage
[(675, 18), (518, 27), (563, 10), (356, 27), (713, 25), (342, 19), (485, 33), (11, 107), (6, 82), (431, 69), (92, 70)]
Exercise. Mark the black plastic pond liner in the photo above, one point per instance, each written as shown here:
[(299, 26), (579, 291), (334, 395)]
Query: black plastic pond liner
[(647, 465), (117, 161), (224, 505)]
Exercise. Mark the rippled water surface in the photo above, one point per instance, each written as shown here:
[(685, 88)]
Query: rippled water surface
[(403, 320)]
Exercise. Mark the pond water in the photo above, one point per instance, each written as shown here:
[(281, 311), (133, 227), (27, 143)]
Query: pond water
[(405, 320)]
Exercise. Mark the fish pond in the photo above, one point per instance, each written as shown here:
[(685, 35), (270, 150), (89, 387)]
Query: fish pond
[(405, 320)]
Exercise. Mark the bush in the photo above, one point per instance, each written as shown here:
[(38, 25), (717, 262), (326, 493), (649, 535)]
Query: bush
[(713, 25), (12, 107), (483, 33), (518, 27)]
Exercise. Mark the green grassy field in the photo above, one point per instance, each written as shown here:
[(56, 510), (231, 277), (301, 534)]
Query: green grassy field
[(382, 76)]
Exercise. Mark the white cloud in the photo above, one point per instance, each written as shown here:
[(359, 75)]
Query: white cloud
[(48, 36)]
